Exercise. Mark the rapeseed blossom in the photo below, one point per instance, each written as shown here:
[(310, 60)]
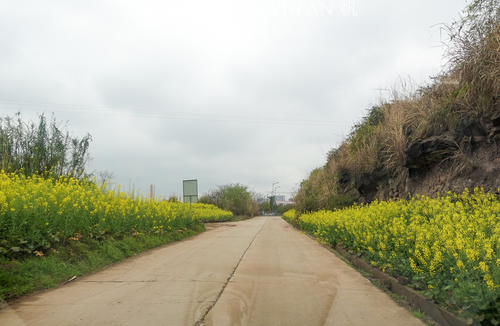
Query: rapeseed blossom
[(38, 213), (448, 245)]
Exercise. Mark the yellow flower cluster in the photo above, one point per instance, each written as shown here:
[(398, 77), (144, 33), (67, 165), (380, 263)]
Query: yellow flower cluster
[(449, 244), (37, 212), (290, 214)]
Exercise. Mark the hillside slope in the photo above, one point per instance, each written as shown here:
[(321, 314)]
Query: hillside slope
[(444, 136)]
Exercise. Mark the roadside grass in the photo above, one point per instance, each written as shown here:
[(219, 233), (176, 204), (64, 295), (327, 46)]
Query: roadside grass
[(77, 258), (233, 218), (241, 218)]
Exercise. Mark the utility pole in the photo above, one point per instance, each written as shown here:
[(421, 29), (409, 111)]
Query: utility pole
[(273, 190), (274, 187), (151, 191)]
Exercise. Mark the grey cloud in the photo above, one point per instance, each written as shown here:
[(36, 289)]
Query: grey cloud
[(225, 91)]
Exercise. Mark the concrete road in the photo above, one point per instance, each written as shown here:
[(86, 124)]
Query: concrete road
[(255, 272)]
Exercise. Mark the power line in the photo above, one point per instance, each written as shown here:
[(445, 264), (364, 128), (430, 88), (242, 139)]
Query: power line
[(170, 115)]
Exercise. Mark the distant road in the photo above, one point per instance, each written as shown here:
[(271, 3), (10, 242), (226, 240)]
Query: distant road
[(255, 272)]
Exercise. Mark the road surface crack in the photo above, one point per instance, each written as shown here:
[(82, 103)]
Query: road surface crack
[(200, 322)]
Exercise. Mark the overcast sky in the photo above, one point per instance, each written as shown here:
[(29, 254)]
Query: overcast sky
[(224, 91)]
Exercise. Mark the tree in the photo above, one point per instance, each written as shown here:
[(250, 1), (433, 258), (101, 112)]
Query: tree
[(265, 206), (234, 197)]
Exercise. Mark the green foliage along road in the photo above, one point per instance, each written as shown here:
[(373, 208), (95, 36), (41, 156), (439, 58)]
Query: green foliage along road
[(235, 198), (448, 247), (42, 147), (53, 228)]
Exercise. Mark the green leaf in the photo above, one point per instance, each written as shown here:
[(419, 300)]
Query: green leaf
[(446, 288)]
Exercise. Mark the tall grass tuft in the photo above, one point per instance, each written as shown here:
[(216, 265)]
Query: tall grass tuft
[(42, 147)]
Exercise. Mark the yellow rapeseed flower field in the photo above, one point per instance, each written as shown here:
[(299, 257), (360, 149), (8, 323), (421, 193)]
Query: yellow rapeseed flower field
[(290, 214), (38, 213), (447, 246)]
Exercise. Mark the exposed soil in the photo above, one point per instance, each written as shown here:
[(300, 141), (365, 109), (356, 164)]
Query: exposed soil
[(478, 168)]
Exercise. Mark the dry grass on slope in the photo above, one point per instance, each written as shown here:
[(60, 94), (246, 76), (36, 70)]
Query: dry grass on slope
[(416, 130)]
